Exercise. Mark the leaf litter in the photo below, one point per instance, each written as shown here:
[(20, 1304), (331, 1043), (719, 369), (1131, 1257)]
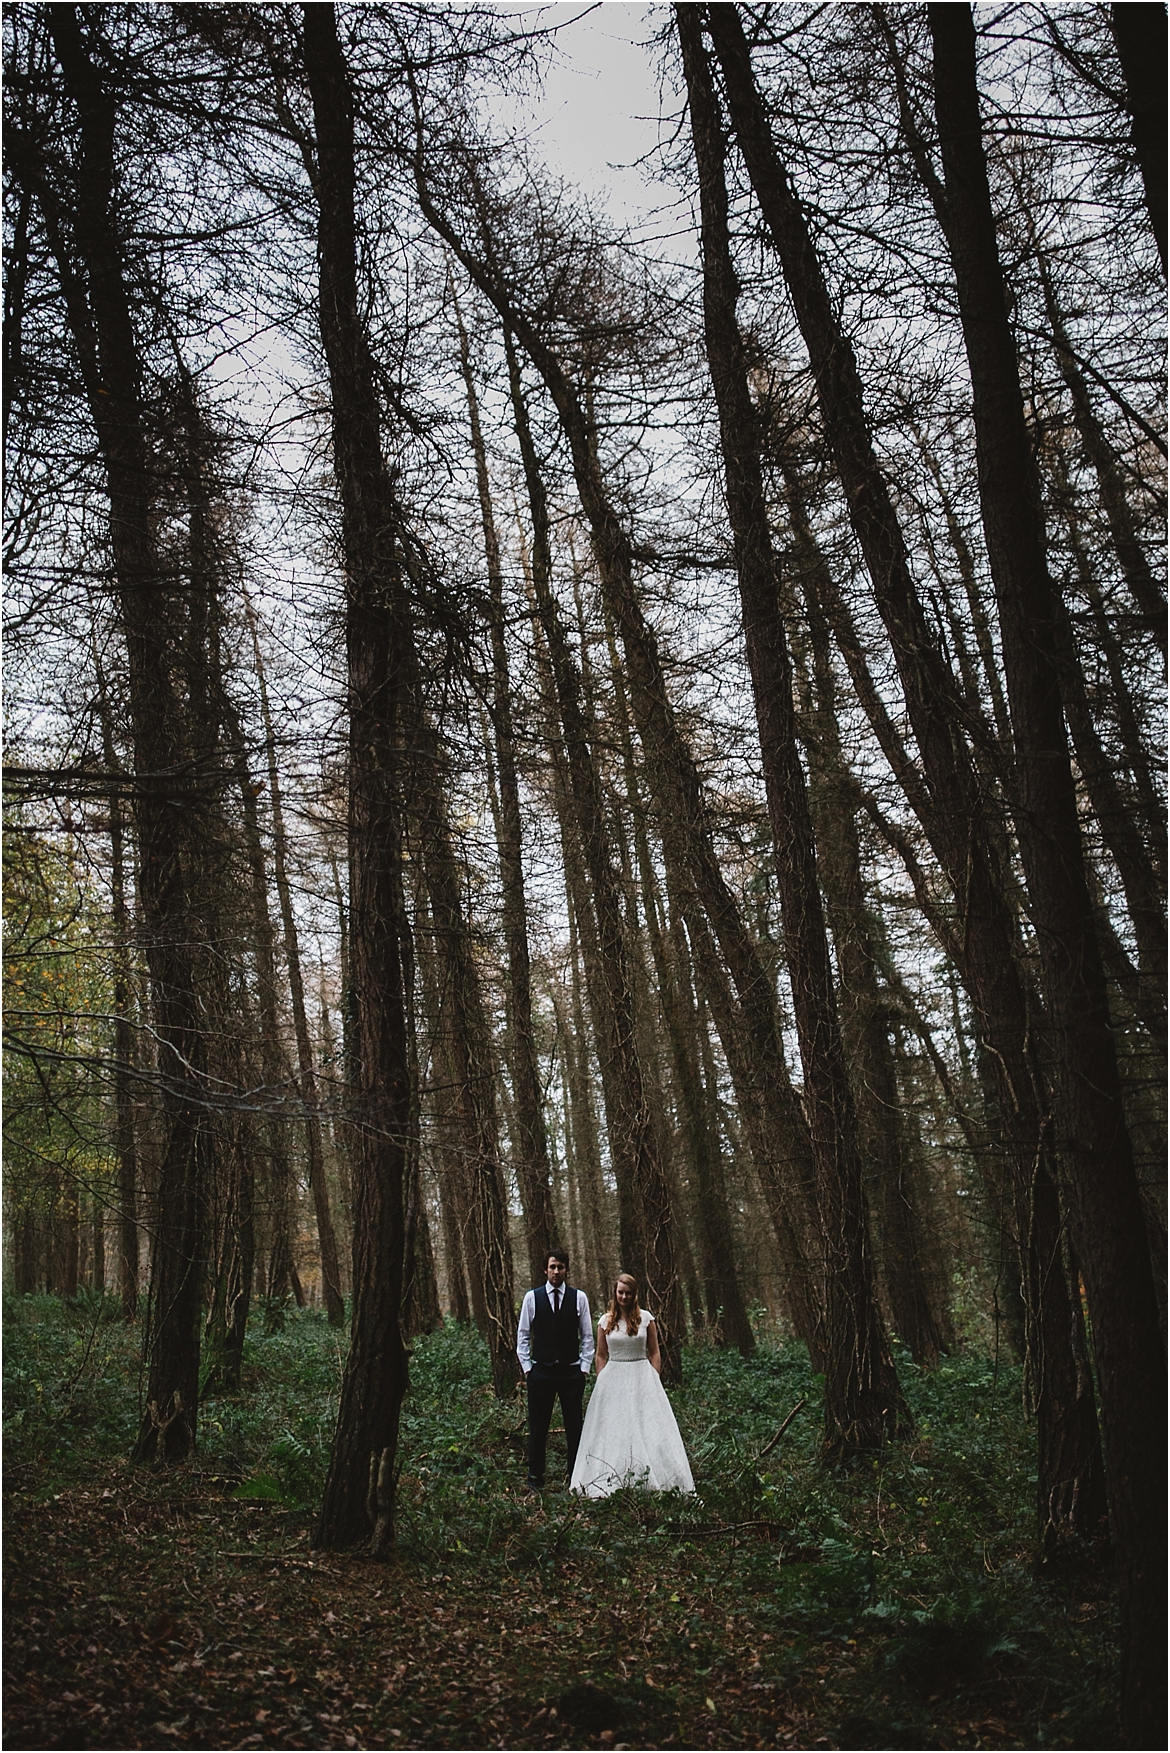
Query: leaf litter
[(788, 1608)]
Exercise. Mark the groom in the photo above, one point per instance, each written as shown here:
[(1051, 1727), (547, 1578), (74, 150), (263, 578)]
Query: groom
[(555, 1346)]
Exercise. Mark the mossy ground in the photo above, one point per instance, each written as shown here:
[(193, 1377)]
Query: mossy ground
[(892, 1605)]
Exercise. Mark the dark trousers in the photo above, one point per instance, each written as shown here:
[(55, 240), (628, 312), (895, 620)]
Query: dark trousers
[(546, 1384)]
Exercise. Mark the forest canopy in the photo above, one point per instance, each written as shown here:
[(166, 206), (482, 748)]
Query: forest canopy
[(529, 731)]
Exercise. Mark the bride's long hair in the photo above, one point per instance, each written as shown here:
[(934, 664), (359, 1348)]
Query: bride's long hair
[(633, 1318)]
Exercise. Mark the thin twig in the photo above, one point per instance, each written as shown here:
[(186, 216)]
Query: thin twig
[(768, 1447), (99, 1309)]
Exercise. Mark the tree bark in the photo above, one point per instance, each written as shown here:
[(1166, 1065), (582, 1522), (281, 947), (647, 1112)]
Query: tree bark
[(773, 1121), (1139, 30), (726, 1310), (306, 1065), (1099, 1185), (531, 1144), (944, 791), (586, 1149), (378, 654), (464, 1026), (782, 1138), (727, 1306), (99, 312), (883, 1126), (1148, 593), (125, 1055), (863, 1402), (632, 1145)]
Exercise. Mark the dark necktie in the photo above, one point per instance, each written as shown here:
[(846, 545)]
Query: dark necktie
[(557, 1301)]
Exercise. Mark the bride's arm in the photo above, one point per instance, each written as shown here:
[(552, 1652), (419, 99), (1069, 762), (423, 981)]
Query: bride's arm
[(602, 1357), (652, 1351)]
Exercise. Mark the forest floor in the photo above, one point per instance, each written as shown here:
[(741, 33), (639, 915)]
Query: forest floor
[(893, 1606)]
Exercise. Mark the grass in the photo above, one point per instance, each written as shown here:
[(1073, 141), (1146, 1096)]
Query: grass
[(892, 1604)]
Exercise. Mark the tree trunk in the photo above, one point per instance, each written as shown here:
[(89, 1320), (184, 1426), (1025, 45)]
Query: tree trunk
[(98, 308), (1148, 594), (124, 1047), (466, 1040), (586, 1149), (227, 902), (449, 1128), (306, 1065), (97, 1269), (780, 1150), (682, 814), (649, 1252), (1139, 30), (233, 1247), (531, 1145), (944, 792), (1099, 1185), (882, 1124), (378, 659), (863, 1402), (69, 1231), (727, 1307), (421, 1311), (727, 1311)]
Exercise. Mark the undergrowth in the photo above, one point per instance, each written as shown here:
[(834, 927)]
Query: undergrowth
[(895, 1594)]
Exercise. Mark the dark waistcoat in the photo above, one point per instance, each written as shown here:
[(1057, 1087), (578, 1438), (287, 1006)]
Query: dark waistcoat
[(555, 1339)]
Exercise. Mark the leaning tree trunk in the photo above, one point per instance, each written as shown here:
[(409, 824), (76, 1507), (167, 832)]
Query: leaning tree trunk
[(632, 1146), (1147, 591), (466, 1040), (687, 839), (359, 1490), (727, 1311), (586, 1159), (590, 998), (225, 903), (1139, 31), (531, 1144), (944, 792), (1099, 1185), (282, 1273), (1041, 1306), (683, 817), (727, 1306), (306, 1066), (882, 1124), (863, 1402)]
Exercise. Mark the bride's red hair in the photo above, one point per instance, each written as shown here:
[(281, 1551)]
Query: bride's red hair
[(616, 1313)]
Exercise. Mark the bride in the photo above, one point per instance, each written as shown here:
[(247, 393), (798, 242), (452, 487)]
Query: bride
[(630, 1436)]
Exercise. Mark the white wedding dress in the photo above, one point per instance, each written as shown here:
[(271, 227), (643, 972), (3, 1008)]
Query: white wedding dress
[(630, 1436)]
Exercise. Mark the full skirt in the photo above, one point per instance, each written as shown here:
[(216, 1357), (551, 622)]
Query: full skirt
[(630, 1436)]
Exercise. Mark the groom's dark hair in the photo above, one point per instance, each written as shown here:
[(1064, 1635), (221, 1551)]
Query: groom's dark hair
[(557, 1254)]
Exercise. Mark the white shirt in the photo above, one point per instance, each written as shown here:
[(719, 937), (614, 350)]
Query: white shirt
[(584, 1327)]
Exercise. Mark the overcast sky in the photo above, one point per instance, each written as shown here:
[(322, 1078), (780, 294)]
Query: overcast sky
[(600, 110)]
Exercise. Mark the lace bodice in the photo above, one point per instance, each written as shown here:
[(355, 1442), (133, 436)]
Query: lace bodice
[(624, 1347)]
